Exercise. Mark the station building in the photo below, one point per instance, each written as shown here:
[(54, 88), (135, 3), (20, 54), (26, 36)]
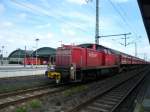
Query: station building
[(17, 56), (44, 54)]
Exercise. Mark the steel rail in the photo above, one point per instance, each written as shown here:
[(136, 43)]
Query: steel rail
[(90, 101), (21, 97)]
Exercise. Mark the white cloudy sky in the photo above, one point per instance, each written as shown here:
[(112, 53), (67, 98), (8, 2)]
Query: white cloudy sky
[(70, 21)]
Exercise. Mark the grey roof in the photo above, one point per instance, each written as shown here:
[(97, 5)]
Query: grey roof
[(144, 6), (44, 52), (41, 52), (19, 53)]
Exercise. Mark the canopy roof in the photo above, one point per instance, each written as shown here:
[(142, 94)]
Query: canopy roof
[(144, 6)]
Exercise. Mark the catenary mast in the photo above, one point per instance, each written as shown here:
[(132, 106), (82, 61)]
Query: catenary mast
[(97, 23)]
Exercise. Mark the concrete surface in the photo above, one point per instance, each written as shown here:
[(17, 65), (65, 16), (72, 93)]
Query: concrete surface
[(20, 70)]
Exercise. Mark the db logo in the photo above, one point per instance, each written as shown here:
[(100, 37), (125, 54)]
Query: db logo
[(93, 55)]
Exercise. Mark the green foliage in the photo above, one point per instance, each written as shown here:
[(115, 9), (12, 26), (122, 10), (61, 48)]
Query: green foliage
[(21, 109), (35, 104), (141, 108), (75, 90), (31, 104)]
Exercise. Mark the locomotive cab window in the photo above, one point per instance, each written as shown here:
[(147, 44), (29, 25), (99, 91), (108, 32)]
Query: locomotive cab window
[(109, 52), (99, 48), (105, 51)]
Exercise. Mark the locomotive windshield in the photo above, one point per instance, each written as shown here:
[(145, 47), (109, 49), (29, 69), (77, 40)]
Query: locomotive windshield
[(85, 45)]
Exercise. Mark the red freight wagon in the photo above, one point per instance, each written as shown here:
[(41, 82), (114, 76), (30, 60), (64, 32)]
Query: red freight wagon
[(31, 61), (123, 59), (129, 60), (134, 61)]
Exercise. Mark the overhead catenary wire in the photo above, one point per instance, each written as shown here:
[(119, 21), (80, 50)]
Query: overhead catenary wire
[(93, 8), (122, 17), (44, 12), (63, 21), (126, 16)]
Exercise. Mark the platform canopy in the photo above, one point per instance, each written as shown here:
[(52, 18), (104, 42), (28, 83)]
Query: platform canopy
[(144, 6), (19, 53), (44, 52)]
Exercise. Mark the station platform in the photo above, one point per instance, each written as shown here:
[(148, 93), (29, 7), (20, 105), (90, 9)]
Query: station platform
[(146, 101), (143, 100), (20, 70)]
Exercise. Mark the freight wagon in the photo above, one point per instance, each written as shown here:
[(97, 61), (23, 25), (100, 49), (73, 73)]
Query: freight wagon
[(32, 61)]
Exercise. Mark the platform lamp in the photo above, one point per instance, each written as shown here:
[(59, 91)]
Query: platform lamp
[(6, 56), (60, 43), (0, 56), (18, 55), (2, 53), (36, 49)]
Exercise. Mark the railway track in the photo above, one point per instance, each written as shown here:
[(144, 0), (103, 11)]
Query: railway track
[(16, 92), (25, 95), (109, 100), (13, 98)]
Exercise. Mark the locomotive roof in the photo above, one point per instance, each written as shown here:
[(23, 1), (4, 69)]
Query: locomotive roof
[(89, 45)]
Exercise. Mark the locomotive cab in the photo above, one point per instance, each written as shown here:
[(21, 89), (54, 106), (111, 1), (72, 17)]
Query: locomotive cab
[(68, 61)]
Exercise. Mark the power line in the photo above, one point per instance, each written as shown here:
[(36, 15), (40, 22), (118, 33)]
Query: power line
[(126, 15), (125, 37), (44, 12), (122, 17)]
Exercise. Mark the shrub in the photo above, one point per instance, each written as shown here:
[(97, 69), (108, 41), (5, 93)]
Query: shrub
[(35, 104), (21, 109)]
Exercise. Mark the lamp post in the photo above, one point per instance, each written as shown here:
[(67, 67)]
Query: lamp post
[(135, 44), (2, 53), (60, 43), (18, 56), (6, 58), (135, 49), (36, 49), (25, 56)]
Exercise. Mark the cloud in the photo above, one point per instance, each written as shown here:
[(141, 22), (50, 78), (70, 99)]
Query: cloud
[(2, 8), (57, 15), (79, 2), (6, 24), (49, 35), (22, 15), (45, 3), (70, 24), (12, 40), (68, 32), (81, 16), (28, 39), (41, 26), (35, 9)]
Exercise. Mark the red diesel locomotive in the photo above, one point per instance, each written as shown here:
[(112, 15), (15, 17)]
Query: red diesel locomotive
[(77, 63)]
